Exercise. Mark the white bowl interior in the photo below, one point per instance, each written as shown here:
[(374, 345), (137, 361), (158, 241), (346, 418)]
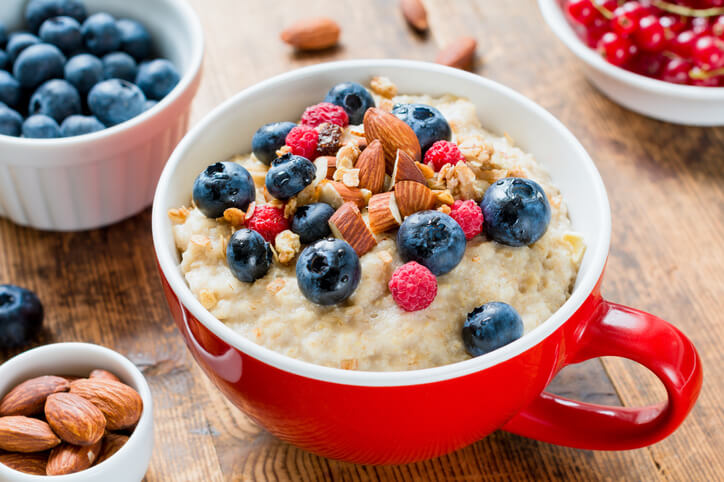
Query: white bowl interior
[(229, 129)]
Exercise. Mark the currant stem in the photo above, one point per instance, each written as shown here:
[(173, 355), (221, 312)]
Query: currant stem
[(700, 74), (603, 10), (688, 11)]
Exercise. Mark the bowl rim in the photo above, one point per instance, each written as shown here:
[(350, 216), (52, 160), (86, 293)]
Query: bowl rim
[(187, 80), (169, 268), (145, 423), (555, 18)]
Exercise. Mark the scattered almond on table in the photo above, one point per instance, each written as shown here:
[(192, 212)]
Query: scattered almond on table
[(415, 14), (460, 53), (316, 33)]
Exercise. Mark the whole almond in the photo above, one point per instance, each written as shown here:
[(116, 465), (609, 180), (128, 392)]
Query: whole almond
[(121, 404), (415, 13), (74, 419), (104, 374), (460, 53), (29, 397), (393, 133), (112, 443), (68, 459), (24, 434), (312, 33), (27, 463), (371, 165)]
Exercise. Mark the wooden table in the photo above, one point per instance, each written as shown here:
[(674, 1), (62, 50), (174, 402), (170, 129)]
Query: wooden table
[(666, 186)]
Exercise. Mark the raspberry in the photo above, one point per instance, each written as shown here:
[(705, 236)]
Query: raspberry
[(325, 112), (303, 141), (413, 286), (267, 221), (469, 216), (441, 153)]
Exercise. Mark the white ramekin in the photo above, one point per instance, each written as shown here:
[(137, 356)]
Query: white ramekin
[(680, 104), (90, 181), (131, 462)]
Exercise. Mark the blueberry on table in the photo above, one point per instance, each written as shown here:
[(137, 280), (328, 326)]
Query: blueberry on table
[(84, 71), (38, 63), (38, 11), (426, 121), (328, 271), (77, 125), (353, 98), (491, 326), (222, 186), (114, 101), (41, 126), (135, 39), (119, 65), (19, 41), (515, 212), (9, 89), (249, 255), (57, 99), (289, 175), (10, 121), (157, 78), (433, 239), (21, 316), (268, 139), (101, 34), (63, 32), (310, 222)]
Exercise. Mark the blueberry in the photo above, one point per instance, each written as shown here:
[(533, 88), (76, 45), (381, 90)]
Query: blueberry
[(328, 271), (84, 71), (491, 326), (38, 63), (248, 255), (221, 186), (101, 34), (289, 175), (40, 126), (63, 32), (428, 123), (38, 11), (310, 222), (21, 316), (55, 98), (3, 35), (19, 41), (4, 59), (157, 78), (77, 125), (114, 101), (10, 121), (353, 98), (268, 139), (119, 65), (135, 39), (150, 104), (515, 212), (433, 239), (9, 89)]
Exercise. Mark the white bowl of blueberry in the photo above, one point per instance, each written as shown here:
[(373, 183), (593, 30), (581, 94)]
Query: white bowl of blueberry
[(94, 96)]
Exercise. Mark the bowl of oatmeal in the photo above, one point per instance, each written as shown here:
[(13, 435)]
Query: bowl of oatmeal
[(349, 367)]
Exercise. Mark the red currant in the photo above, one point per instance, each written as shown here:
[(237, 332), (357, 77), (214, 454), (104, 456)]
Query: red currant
[(709, 52), (700, 25), (616, 49), (595, 31), (582, 11), (683, 44), (677, 71), (649, 64), (623, 22), (651, 35), (717, 28), (672, 23)]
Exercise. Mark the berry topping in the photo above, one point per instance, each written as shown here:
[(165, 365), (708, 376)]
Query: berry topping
[(310, 222), (516, 211), (268, 139), (221, 186), (303, 141), (353, 98), (289, 175), (426, 121), (469, 216), (441, 153), (249, 255), (268, 221), (328, 271), (325, 112), (651, 35), (490, 327), (21, 316), (19, 41), (708, 52), (413, 286), (433, 239)]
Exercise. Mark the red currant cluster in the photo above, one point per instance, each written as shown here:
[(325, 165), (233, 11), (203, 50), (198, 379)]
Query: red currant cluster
[(679, 41)]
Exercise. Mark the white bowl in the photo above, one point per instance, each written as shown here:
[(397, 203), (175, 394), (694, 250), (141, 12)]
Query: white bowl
[(680, 104), (130, 463), (90, 181)]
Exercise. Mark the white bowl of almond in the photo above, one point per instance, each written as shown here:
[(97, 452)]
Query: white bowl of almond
[(74, 412)]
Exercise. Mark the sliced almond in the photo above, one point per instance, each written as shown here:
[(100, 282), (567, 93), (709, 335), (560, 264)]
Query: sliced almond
[(29, 397), (415, 14), (24, 434), (336, 193), (371, 165), (312, 33), (325, 165), (459, 53), (383, 212), (69, 459), (347, 223), (406, 169), (393, 133), (74, 419), (412, 197)]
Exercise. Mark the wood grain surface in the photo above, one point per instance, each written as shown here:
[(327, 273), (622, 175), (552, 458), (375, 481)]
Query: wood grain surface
[(665, 183)]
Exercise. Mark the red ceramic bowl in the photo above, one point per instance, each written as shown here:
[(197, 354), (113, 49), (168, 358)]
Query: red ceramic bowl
[(399, 417)]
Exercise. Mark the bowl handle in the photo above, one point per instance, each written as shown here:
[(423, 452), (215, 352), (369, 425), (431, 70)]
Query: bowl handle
[(617, 330)]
